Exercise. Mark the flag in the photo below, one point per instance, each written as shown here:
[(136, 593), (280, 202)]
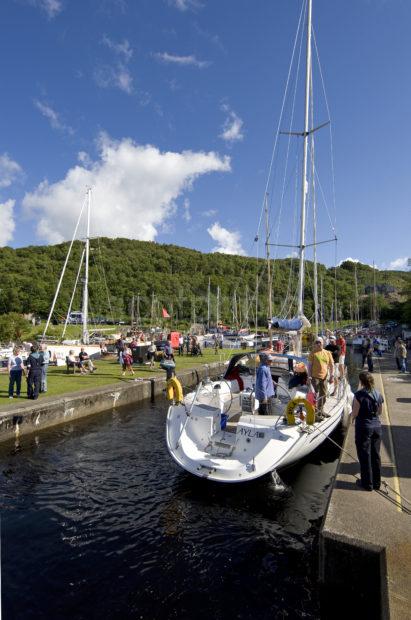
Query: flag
[(165, 314)]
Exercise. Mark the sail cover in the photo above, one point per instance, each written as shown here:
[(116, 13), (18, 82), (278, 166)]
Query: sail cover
[(287, 324)]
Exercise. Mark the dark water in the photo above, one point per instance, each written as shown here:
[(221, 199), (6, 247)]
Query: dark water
[(97, 522)]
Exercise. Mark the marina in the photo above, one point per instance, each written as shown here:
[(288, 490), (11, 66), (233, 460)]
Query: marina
[(102, 491), (205, 311)]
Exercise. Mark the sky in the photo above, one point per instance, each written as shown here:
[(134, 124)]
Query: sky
[(169, 111)]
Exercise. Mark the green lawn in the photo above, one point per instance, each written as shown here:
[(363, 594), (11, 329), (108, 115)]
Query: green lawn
[(108, 372)]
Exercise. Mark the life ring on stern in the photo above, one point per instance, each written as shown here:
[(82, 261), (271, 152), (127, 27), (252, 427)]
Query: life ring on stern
[(174, 390), (309, 410)]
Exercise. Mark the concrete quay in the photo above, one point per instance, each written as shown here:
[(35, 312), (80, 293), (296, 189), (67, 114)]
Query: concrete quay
[(365, 540), (33, 416)]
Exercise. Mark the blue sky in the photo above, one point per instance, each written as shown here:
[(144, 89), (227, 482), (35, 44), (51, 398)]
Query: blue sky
[(169, 109)]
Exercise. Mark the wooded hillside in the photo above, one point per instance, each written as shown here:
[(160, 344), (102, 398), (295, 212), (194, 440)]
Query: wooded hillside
[(178, 278)]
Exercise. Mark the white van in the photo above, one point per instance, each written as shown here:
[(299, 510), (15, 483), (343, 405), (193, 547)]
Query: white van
[(75, 318)]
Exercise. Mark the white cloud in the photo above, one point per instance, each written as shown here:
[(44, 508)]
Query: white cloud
[(400, 264), (85, 159), (53, 117), (228, 241), (135, 188), (185, 5), (181, 60), (50, 7), (114, 77), (7, 224), (9, 170), (186, 210), (123, 49), (210, 213), (350, 260), (232, 127)]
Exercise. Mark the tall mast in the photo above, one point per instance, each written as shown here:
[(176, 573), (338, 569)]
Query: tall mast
[(208, 305), (269, 287), (85, 335), (138, 311), (300, 308), (132, 311), (314, 214), (374, 295), (322, 307), (218, 307), (357, 307)]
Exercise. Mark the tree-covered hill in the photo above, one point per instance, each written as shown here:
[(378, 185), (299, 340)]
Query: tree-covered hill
[(177, 278)]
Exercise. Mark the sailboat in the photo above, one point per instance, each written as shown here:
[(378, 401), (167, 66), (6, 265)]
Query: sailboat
[(60, 351), (215, 432)]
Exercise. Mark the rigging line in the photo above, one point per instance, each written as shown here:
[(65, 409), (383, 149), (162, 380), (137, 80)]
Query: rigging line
[(331, 133), (74, 292), (335, 285), (104, 278), (303, 7), (325, 201), (294, 229), (289, 138), (63, 270)]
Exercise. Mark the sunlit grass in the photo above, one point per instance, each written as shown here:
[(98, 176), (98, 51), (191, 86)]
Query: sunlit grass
[(108, 372)]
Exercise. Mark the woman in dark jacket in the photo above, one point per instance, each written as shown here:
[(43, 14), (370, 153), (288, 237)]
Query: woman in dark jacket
[(366, 412), (34, 364)]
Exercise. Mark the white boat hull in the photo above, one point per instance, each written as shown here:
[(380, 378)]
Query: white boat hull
[(253, 447)]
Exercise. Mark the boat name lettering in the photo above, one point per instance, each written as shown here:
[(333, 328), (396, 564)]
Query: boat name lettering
[(248, 432)]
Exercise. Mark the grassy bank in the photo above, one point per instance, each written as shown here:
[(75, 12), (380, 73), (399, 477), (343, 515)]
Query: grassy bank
[(108, 372)]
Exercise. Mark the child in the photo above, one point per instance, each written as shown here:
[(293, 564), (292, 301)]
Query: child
[(127, 362)]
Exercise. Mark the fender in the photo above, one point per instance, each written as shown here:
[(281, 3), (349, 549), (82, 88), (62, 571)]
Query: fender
[(174, 390)]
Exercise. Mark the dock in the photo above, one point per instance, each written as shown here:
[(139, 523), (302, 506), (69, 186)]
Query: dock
[(365, 540)]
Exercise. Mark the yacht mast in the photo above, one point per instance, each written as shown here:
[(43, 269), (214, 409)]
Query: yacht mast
[(270, 287), (218, 307), (208, 306), (300, 306), (85, 334), (314, 214), (357, 307)]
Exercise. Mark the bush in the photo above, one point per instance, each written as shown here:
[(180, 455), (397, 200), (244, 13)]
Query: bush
[(12, 326)]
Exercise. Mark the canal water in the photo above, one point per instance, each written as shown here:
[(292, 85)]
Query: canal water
[(98, 522)]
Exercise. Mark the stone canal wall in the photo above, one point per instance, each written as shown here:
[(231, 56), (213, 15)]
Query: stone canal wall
[(32, 416)]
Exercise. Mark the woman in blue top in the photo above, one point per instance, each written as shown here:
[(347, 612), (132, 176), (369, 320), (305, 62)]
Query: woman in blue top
[(366, 412), (16, 370)]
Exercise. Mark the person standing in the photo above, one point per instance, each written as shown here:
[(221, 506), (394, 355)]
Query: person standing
[(151, 353), (366, 412), (181, 344), (44, 367), (367, 350), (34, 365), (127, 363), (402, 352), (264, 385), (187, 343), (397, 344), (16, 370), (343, 350), (168, 351), (335, 351), (320, 364)]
